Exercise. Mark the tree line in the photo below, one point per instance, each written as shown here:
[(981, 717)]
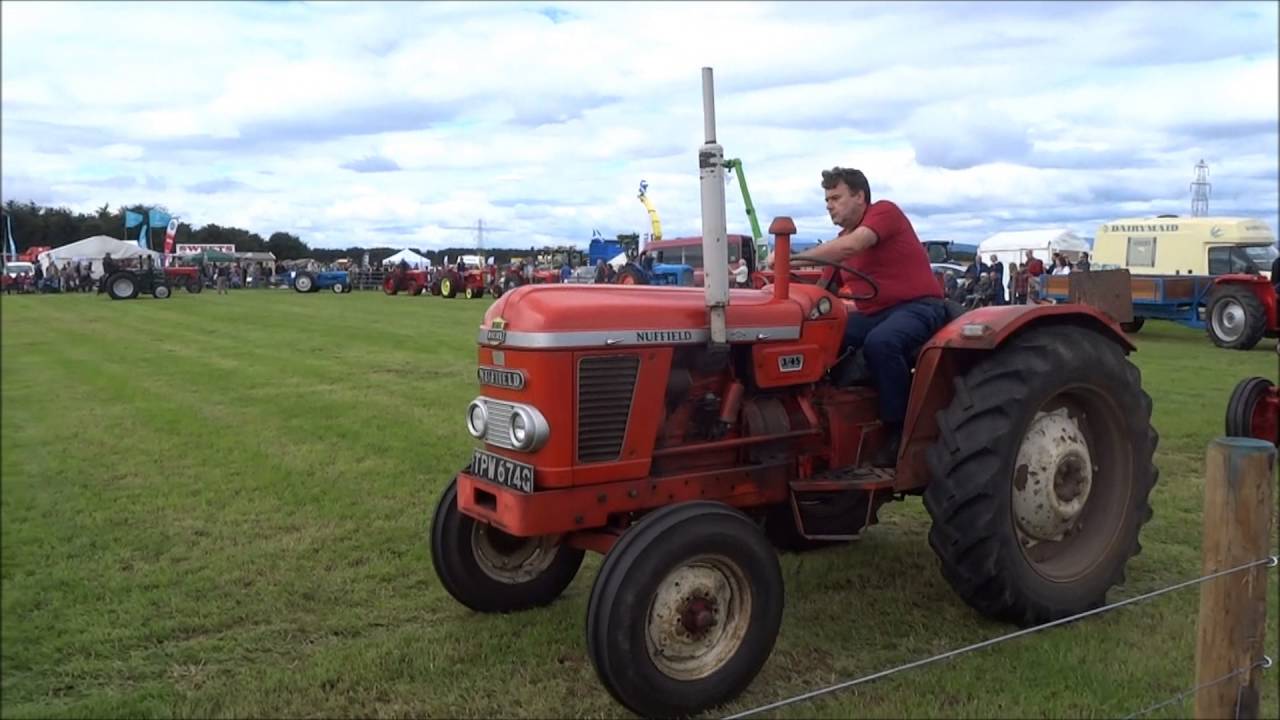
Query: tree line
[(35, 226)]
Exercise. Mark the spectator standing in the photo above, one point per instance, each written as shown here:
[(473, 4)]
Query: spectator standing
[(1082, 265), (1035, 270), (996, 268), (223, 274)]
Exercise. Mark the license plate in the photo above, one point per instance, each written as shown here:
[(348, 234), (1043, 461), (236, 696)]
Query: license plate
[(499, 470)]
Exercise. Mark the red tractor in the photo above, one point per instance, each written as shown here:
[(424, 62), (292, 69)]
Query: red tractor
[(687, 432), (1241, 310), (471, 279), (187, 276), (399, 280), (1254, 408)]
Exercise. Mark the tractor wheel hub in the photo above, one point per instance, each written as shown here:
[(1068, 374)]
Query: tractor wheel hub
[(1053, 475), (698, 618)]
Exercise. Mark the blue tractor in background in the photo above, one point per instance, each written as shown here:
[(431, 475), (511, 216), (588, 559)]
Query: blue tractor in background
[(647, 271), (305, 281)]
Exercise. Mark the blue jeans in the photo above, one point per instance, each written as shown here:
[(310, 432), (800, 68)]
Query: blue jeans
[(890, 341)]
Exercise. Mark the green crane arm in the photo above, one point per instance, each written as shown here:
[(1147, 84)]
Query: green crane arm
[(762, 249)]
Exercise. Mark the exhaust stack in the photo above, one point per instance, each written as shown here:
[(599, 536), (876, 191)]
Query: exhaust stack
[(715, 247)]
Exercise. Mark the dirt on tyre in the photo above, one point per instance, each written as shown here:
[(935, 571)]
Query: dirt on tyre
[(122, 286), (1249, 415), (1235, 318), (685, 610), (490, 571), (1040, 476)]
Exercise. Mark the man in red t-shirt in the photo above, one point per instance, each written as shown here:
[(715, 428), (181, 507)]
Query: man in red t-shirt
[(877, 239)]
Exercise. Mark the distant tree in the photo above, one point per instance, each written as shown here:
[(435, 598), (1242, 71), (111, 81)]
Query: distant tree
[(92, 226), (287, 246)]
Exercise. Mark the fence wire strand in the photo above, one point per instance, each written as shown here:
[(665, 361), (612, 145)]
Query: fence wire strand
[(1270, 561), (1265, 662)]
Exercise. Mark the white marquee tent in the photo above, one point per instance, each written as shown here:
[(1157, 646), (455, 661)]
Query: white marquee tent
[(94, 249), (414, 259), (1012, 247)]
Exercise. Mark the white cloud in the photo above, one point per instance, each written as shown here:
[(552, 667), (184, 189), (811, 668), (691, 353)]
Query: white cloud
[(980, 115)]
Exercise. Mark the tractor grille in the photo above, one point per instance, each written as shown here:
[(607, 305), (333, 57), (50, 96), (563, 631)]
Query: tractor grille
[(605, 386), (497, 430)]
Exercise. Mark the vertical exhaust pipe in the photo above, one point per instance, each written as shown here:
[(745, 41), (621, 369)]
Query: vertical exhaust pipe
[(715, 247)]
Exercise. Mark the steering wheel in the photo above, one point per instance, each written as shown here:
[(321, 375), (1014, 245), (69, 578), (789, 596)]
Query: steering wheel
[(827, 282)]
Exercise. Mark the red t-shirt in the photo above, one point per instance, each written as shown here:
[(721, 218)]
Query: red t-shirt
[(897, 262), (1036, 267)]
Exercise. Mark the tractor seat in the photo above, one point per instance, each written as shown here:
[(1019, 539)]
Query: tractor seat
[(851, 369)]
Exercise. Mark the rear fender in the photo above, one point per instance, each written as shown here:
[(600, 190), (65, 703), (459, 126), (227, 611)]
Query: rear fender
[(958, 347)]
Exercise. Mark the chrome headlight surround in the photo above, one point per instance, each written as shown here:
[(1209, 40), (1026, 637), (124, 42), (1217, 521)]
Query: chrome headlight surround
[(528, 429), (477, 418)]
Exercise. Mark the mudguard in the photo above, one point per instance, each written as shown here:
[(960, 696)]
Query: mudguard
[(953, 349)]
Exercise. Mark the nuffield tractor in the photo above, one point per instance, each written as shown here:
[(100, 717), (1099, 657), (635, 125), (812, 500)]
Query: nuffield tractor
[(687, 432)]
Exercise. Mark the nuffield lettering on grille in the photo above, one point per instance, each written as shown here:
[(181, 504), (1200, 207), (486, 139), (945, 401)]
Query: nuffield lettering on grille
[(605, 388)]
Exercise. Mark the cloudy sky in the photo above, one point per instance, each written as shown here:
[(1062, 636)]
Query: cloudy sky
[(403, 124)]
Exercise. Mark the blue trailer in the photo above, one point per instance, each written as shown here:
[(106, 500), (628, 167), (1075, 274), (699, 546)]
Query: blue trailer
[(1179, 298)]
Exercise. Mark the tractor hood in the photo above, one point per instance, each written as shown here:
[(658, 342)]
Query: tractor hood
[(561, 316)]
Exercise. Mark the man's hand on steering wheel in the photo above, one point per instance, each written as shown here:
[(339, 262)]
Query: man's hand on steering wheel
[(829, 278)]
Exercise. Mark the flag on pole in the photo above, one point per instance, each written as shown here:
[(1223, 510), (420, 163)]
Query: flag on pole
[(133, 219), (8, 232), (170, 233)]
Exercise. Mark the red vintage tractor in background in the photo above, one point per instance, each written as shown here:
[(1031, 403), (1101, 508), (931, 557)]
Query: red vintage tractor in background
[(187, 276), (470, 279), (1254, 408), (409, 281), (1241, 310), (687, 432)]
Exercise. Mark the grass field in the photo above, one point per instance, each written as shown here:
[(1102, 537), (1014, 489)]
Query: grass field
[(218, 506)]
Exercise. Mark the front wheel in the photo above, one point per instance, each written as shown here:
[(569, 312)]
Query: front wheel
[(1251, 413), (1235, 318), (492, 572), (685, 610), (1040, 476), (338, 289), (160, 292)]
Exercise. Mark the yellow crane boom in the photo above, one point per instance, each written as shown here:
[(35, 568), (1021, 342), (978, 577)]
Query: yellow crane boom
[(654, 222)]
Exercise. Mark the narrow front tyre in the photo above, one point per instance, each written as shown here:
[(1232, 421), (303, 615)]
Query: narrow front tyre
[(685, 610), (490, 571)]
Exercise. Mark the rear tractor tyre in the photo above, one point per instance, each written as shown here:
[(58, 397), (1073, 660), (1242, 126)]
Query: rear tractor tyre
[(161, 291), (1039, 489), (304, 283), (122, 286), (1235, 318), (631, 275), (448, 288), (490, 571), (195, 286), (389, 286), (1248, 413), (685, 610)]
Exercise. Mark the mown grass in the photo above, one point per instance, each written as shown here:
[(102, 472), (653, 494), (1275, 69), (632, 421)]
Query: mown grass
[(218, 505)]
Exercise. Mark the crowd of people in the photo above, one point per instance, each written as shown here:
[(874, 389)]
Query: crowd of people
[(990, 284)]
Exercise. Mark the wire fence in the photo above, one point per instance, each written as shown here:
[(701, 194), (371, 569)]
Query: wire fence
[(1264, 662)]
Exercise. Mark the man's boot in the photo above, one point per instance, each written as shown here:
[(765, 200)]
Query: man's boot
[(887, 455)]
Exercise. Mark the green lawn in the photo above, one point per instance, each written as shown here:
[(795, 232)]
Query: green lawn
[(218, 506)]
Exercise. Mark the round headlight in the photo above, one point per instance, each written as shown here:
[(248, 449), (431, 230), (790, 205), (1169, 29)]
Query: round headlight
[(519, 430), (477, 419), (824, 305)]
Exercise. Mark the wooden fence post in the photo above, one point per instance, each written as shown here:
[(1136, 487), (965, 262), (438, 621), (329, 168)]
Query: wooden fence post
[(1239, 476)]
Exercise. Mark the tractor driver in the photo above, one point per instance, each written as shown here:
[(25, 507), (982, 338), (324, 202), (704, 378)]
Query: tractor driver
[(877, 239)]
